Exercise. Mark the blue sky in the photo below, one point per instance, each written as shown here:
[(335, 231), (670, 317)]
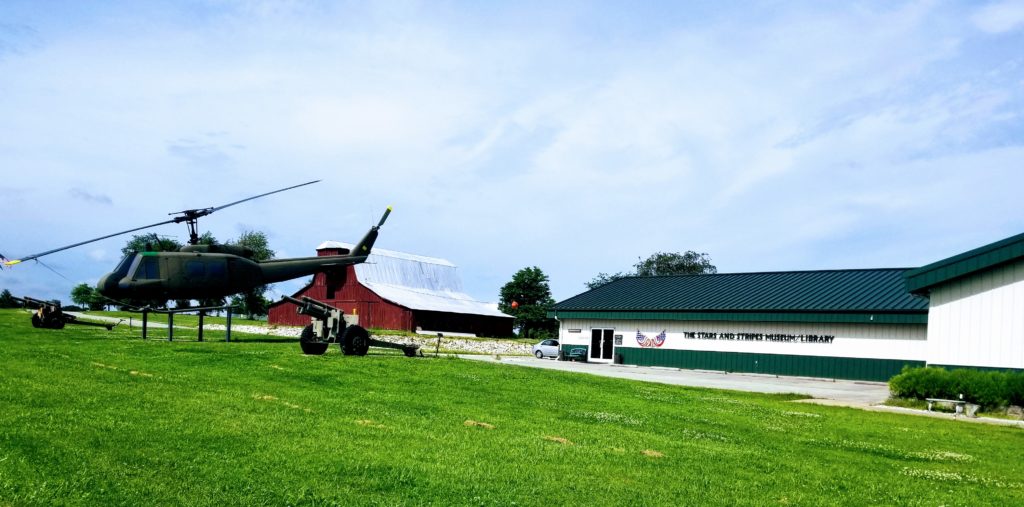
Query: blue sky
[(572, 136)]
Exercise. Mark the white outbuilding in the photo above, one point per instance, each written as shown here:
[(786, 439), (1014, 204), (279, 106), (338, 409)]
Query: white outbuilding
[(976, 306)]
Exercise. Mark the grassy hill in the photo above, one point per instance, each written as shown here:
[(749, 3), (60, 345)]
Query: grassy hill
[(95, 417)]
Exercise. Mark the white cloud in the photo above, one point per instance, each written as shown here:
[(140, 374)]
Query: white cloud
[(102, 255), (1000, 17)]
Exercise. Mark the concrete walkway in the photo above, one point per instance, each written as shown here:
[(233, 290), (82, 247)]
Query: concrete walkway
[(843, 392), (134, 321)]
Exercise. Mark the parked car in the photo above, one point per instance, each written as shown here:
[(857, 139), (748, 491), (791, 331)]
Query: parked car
[(546, 348)]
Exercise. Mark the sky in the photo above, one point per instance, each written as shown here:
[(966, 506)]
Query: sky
[(577, 136)]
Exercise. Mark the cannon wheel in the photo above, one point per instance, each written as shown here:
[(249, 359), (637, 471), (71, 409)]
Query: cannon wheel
[(309, 343), (35, 320), (355, 341)]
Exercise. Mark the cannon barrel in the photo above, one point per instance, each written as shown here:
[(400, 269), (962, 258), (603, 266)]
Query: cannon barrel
[(27, 302), (71, 319), (311, 307)]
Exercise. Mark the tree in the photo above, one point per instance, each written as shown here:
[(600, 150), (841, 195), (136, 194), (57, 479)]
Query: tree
[(82, 294), (7, 300), (528, 298), (603, 278), (149, 243), (85, 295), (257, 242), (253, 302), (662, 264), (206, 303)]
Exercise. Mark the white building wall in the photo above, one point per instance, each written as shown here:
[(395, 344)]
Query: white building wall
[(979, 320), (867, 341)]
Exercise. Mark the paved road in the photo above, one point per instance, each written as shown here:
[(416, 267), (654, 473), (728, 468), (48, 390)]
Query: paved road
[(134, 321), (840, 392)]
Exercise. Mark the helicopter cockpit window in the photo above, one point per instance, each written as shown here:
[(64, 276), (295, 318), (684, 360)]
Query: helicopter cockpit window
[(195, 269), (126, 263), (149, 269)]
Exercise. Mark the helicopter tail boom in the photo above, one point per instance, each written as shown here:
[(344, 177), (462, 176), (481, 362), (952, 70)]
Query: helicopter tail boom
[(286, 269)]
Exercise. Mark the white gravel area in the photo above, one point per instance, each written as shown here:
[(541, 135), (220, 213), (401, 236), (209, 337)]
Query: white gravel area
[(500, 347), (272, 330), (427, 343)]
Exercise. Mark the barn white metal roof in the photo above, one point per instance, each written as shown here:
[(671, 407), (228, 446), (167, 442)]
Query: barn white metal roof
[(416, 282)]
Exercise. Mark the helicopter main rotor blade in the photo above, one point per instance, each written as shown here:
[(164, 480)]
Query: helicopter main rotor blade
[(189, 215), (202, 212), (48, 252), (218, 208)]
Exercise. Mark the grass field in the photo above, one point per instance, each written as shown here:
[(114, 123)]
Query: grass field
[(102, 418)]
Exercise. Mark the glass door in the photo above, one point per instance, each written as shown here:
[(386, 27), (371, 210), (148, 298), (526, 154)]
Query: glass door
[(601, 343)]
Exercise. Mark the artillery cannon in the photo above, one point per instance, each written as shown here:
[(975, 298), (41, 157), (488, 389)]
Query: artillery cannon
[(49, 315), (331, 325)]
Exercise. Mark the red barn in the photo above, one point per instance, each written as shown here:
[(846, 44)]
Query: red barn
[(394, 290)]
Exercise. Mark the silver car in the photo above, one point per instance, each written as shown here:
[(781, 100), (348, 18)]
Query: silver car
[(546, 348)]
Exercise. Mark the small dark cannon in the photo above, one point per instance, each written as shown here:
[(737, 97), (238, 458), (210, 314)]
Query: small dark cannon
[(49, 315)]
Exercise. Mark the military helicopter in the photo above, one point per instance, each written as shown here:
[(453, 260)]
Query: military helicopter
[(208, 271)]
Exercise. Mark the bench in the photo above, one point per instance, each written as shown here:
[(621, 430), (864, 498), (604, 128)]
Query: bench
[(958, 406), (577, 354)]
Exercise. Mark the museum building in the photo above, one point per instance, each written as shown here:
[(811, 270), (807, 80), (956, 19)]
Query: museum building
[(861, 324)]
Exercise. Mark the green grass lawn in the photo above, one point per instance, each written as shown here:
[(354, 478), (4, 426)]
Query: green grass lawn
[(94, 417)]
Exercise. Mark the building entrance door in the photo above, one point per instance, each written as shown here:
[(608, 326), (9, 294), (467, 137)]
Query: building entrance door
[(601, 344)]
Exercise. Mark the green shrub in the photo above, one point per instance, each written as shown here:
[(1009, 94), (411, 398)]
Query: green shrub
[(986, 388), (1015, 389), (920, 383), (990, 389)]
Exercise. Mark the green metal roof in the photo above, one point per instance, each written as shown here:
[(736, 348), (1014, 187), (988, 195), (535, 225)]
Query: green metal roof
[(920, 280), (803, 296)]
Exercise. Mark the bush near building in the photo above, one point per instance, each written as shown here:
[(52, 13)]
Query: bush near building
[(990, 389)]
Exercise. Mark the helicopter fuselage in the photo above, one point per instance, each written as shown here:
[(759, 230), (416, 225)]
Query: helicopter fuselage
[(213, 271), (200, 275)]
